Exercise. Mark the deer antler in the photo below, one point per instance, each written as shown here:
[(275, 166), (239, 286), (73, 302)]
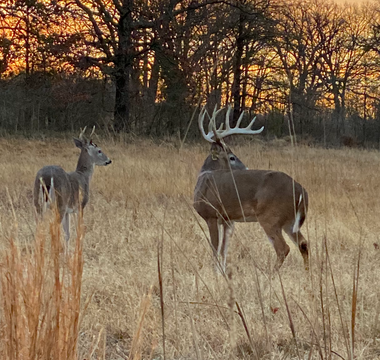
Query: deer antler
[(211, 125), (236, 130), (214, 134), (82, 133)]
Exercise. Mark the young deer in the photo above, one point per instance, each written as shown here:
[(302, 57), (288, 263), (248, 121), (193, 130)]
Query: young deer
[(69, 191), (226, 191)]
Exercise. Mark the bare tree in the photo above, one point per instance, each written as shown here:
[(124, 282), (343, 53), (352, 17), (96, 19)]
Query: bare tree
[(121, 31), (250, 23), (343, 38), (32, 36), (299, 48)]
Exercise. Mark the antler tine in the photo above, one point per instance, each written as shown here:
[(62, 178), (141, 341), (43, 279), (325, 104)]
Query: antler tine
[(201, 119), (241, 118), (212, 124), (82, 132), (92, 132), (254, 131), (212, 131), (227, 121)]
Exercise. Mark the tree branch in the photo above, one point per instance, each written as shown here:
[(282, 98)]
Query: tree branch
[(97, 30)]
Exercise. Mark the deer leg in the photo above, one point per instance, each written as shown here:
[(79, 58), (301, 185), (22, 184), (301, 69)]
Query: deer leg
[(301, 242), (213, 226), (42, 200), (66, 225), (228, 228), (274, 234)]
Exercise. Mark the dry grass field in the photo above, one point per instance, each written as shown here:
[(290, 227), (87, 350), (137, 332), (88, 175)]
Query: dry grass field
[(140, 219)]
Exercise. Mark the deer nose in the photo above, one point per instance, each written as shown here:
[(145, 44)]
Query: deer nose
[(108, 162)]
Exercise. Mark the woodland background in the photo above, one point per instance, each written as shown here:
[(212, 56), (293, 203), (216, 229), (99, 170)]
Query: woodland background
[(143, 66), (137, 282)]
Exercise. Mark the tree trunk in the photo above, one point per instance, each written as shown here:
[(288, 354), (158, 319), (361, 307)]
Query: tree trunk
[(339, 113), (236, 85), (123, 67), (122, 103), (153, 83), (27, 42)]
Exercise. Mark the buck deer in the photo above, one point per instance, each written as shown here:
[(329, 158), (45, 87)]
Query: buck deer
[(69, 191), (226, 192)]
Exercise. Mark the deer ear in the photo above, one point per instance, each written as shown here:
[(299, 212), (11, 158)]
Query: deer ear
[(78, 143)]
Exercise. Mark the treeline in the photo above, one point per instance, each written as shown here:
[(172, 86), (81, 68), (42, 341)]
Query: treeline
[(308, 67)]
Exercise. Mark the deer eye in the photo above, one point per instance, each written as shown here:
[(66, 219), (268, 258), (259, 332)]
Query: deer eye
[(232, 158), (99, 151)]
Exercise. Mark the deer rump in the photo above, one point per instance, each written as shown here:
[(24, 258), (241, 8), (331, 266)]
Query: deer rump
[(53, 185), (251, 195)]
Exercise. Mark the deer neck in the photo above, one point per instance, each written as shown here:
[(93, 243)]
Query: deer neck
[(85, 166)]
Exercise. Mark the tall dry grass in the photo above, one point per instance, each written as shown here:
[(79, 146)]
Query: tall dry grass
[(148, 269), (41, 297)]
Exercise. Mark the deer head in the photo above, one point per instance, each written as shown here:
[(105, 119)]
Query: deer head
[(93, 151)]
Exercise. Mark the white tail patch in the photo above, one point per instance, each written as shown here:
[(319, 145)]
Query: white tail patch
[(296, 226), (49, 198), (51, 191), (42, 197)]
